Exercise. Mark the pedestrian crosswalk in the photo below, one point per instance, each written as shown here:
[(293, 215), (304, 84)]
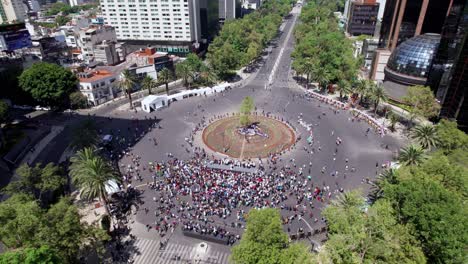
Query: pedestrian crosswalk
[(148, 252)]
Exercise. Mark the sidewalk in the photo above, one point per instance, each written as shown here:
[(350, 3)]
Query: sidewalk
[(37, 149)]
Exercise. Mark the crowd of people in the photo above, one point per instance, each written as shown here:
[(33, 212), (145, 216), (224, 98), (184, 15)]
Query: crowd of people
[(213, 202)]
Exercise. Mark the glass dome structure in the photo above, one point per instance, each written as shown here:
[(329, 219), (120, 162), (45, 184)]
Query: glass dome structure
[(413, 58)]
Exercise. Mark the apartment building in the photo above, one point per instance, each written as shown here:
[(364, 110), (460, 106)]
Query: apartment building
[(98, 86)]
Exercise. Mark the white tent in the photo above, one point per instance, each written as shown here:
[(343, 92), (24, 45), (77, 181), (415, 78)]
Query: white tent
[(112, 187), (154, 102)]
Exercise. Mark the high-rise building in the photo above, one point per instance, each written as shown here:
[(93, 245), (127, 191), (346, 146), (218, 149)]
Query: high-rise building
[(175, 26), (13, 11), (448, 77), (228, 9), (403, 19), (362, 18)]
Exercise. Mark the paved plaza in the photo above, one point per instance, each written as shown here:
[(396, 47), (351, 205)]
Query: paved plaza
[(343, 155), (334, 153)]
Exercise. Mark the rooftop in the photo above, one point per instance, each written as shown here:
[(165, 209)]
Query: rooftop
[(92, 76), (149, 53)]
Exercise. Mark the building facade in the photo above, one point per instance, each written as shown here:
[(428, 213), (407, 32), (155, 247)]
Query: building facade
[(448, 77), (99, 44), (403, 19), (368, 49), (176, 26), (13, 11), (98, 86), (229, 9), (362, 18)]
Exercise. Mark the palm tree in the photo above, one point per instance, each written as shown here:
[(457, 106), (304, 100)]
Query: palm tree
[(362, 88), (92, 174), (322, 76), (347, 200), (426, 136), (126, 83), (184, 72), (394, 118), (343, 88), (388, 176), (165, 76), (208, 76), (378, 94), (411, 155), (148, 83)]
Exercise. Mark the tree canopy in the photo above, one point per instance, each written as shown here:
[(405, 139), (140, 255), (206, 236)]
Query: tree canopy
[(422, 101), (42, 182), (56, 232), (372, 235), (48, 83), (42, 255), (323, 53), (240, 41), (264, 241)]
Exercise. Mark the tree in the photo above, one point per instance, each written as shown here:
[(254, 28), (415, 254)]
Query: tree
[(438, 217), (42, 255), (64, 232), (78, 100), (343, 88), (148, 83), (184, 72), (359, 233), (38, 182), (194, 62), (411, 155), (378, 94), (363, 88), (62, 20), (165, 76), (264, 241), (426, 136), (3, 111), (85, 135), (92, 174), (450, 137), (48, 83), (126, 83), (208, 76), (246, 108), (388, 176), (20, 217), (422, 101), (394, 118), (23, 224), (322, 76)]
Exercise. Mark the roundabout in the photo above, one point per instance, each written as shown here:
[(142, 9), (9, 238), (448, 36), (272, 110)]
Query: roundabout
[(265, 136)]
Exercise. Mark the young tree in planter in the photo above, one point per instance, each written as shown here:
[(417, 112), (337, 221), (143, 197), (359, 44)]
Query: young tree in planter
[(246, 108)]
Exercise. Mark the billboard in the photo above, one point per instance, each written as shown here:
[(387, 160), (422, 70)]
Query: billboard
[(13, 37)]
